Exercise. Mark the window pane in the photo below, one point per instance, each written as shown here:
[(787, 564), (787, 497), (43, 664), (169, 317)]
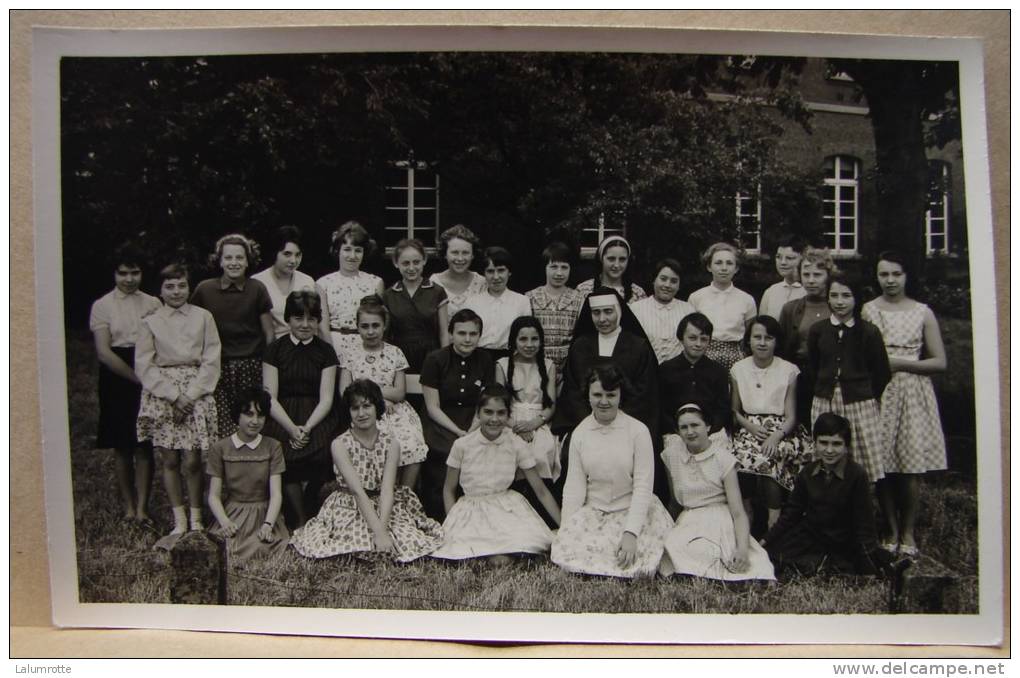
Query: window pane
[(424, 198), (846, 242), (828, 209), (395, 219), (847, 225), (396, 198), (847, 193), (847, 169), (424, 220), (830, 168), (847, 209), (938, 243)]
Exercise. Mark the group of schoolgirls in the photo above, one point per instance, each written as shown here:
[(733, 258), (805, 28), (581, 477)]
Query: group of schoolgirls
[(245, 374)]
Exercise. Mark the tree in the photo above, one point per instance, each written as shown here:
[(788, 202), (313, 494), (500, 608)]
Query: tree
[(913, 105)]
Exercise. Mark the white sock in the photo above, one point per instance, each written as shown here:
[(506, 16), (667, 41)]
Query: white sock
[(196, 518), (180, 520)]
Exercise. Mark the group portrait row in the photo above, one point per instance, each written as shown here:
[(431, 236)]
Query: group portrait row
[(612, 427)]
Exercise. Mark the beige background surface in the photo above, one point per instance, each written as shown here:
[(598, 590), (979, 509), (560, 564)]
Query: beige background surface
[(31, 632)]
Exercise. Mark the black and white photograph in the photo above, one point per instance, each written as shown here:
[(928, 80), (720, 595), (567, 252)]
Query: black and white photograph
[(643, 336)]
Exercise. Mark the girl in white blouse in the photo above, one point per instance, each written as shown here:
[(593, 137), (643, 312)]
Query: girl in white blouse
[(769, 446), (612, 522), (729, 308)]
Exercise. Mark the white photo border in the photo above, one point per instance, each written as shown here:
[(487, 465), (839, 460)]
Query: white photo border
[(49, 45)]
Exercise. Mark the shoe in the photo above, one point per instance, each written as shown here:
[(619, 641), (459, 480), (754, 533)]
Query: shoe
[(909, 551), (891, 547)]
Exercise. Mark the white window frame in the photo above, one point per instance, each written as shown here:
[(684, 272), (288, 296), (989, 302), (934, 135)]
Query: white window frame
[(427, 234), (835, 222), (742, 236), (932, 219), (601, 231)]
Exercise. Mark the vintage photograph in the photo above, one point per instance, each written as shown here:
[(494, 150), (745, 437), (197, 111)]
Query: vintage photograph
[(550, 331)]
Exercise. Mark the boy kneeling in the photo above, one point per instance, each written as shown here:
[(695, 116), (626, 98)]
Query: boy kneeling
[(829, 518)]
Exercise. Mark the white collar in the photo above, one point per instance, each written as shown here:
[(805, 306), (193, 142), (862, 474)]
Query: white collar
[(607, 342), (790, 286), (837, 323), (238, 443), (303, 343)]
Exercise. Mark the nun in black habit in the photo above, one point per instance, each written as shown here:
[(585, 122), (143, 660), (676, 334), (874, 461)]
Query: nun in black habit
[(607, 331)]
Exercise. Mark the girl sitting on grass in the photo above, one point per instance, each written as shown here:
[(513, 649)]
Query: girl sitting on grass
[(712, 536), (248, 466), (491, 519), (177, 359), (369, 512)]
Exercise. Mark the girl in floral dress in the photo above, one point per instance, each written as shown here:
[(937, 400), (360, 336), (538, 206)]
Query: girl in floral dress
[(369, 512), (612, 522), (344, 289), (385, 364), (712, 536), (914, 442), (491, 519), (177, 359), (769, 446)]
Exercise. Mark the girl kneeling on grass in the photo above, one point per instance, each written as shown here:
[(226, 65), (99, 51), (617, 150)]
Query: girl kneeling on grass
[(177, 359), (712, 536), (369, 512), (491, 519), (249, 466)]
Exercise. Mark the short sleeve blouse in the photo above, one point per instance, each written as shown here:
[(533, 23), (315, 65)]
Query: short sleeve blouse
[(763, 391), (489, 466), (301, 282), (459, 301), (697, 479), (728, 310), (121, 314), (378, 366), (344, 293)]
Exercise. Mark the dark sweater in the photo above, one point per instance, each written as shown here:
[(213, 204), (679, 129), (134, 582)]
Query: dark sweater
[(859, 358), (681, 382), (837, 512)]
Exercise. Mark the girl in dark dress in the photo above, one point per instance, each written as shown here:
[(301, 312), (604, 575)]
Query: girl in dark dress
[(114, 321), (300, 373), (418, 308), (452, 379)]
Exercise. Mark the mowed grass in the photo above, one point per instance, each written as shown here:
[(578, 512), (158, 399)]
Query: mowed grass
[(116, 562)]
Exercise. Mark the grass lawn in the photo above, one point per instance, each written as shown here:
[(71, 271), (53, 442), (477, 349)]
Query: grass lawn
[(116, 562)]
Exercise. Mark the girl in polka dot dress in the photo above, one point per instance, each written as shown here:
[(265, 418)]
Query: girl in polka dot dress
[(369, 512)]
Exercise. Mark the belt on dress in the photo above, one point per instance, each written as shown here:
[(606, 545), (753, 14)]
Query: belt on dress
[(343, 330)]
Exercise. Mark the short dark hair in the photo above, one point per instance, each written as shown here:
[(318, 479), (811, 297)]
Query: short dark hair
[(610, 377), (493, 392), (280, 237), (464, 315), (302, 302), (251, 395), (794, 242), (832, 424), (372, 304), (693, 407), (354, 232), (668, 262), (129, 255), (173, 271), (498, 256), (771, 326), (365, 389), (558, 251), (699, 320)]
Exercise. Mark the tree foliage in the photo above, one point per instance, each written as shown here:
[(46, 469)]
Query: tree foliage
[(175, 151)]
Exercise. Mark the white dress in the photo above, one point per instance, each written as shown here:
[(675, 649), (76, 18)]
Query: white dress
[(527, 405), (703, 539), (490, 518), (301, 282), (402, 422)]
